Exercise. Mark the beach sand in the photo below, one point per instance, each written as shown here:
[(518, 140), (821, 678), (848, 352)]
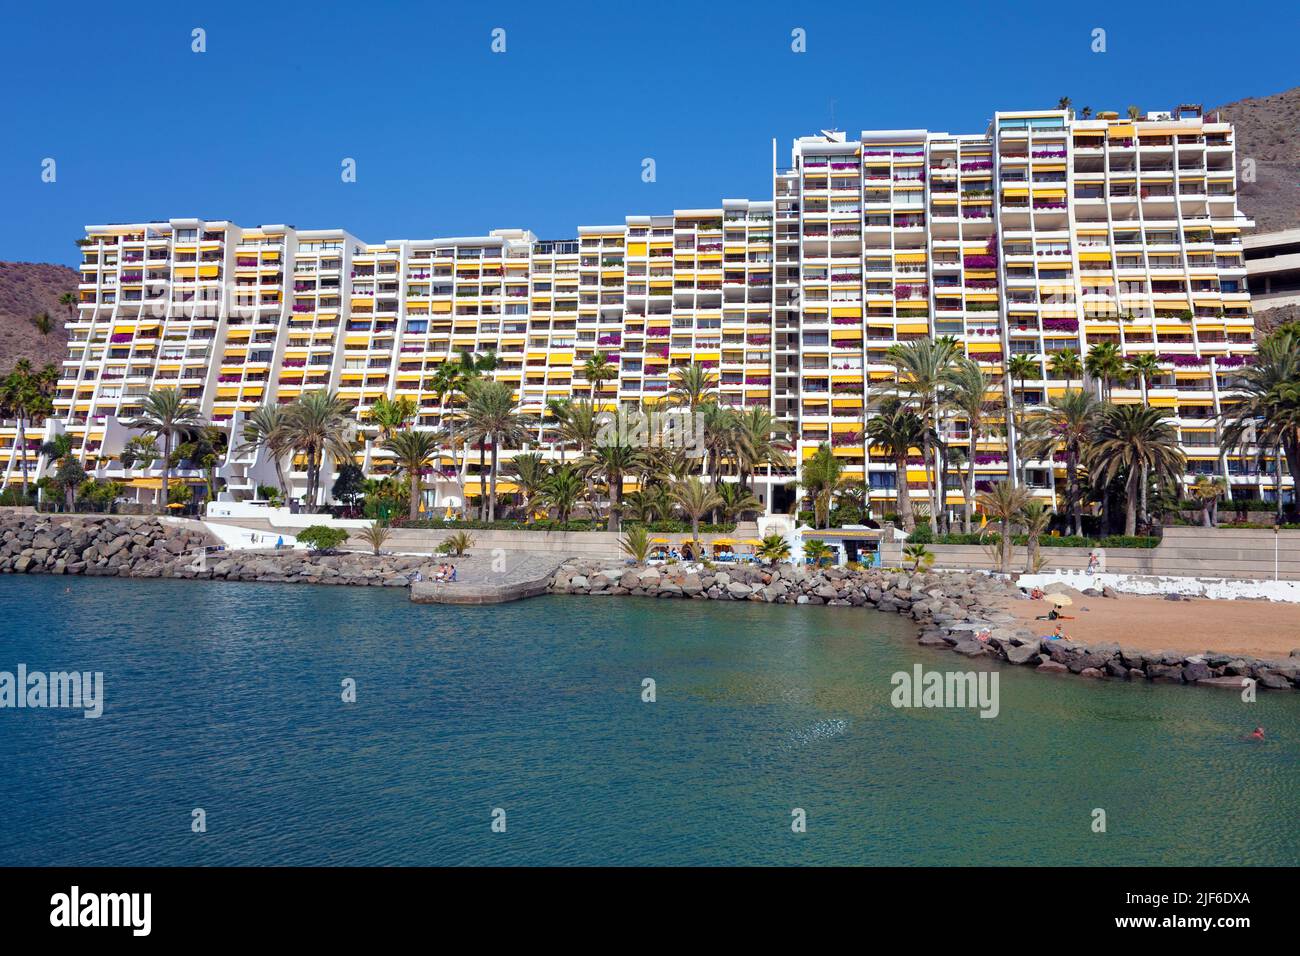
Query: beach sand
[(1257, 628)]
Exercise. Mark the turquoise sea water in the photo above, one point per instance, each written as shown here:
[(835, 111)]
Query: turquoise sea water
[(227, 697)]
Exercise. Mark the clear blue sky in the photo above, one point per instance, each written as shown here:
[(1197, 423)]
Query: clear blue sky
[(452, 139)]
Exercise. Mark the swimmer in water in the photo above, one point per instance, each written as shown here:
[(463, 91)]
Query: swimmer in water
[(1258, 734)]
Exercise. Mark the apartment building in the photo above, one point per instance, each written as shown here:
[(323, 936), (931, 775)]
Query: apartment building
[(1046, 232)]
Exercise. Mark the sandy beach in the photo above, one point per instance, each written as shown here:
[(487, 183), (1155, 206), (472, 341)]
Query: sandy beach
[(1257, 628)]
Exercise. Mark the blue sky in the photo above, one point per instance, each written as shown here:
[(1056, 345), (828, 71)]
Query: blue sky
[(452, 139)]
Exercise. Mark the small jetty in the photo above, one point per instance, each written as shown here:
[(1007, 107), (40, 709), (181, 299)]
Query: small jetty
[(490, 577)]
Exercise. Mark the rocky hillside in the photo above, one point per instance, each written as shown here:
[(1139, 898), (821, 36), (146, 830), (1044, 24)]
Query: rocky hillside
[(26, 290), (1268, 132)]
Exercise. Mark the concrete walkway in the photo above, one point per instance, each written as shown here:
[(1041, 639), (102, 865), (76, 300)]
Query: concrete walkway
[(491, 578)]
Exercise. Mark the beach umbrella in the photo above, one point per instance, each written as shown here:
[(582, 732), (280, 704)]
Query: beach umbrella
[(658, 540), (753, 542), (1060, 600)]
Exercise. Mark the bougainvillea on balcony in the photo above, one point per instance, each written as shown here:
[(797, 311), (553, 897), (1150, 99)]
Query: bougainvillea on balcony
[(1181, 360), (613, 339), (759, 339), (845, 320), (294, 363), (757, 380), (846, 388), (989, 459), (847, 438), (1061, 325), (120, 337), (980, 262), (1231, 361)]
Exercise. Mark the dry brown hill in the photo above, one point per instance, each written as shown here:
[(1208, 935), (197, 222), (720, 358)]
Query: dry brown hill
[(27, 289), (1268, 132)]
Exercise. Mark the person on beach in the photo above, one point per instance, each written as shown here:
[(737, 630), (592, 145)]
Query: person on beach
[(1093, 562)]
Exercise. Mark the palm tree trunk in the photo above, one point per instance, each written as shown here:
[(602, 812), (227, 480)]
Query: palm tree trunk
[(482, 486), (904, 495), (615, 502), (167, 466), (413, 476), (1130, 505), (22, 446), (1072, 475), (492, 499), (969, 491)]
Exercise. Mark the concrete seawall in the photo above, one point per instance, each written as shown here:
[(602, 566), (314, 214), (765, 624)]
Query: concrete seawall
[(1237, 553)]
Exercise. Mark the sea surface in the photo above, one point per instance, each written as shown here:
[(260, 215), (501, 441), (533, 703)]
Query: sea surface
[(228, 698)]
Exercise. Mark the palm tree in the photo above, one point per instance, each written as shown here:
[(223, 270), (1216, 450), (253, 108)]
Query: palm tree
[(597, 370), (392, 415), (562, 490), (1145, 366), (613, 462), (919, 555), (18, 394), (492, 416), (59, 451), (1266, 412), (719, 437), (1020, 368), (1072, 416), (821, 477), (696, 499), (897, 429), (1105, 363), (69, 301), (319, 424), (817, 552), (636, 543), (1207, 491), (774, 548), (1004, 502), (1135, 440), (968, 388), (1035, 516), (578, 422), (756, 432), (529, 471), (265, 428), (165, 414), (922, 368), (450, 380), (43, 323), (1065, 364), (649, 503), (375, 534), (736, 500), (413, 449), (692, 386)]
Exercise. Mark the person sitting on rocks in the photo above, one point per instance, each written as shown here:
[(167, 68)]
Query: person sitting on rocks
[(451, 576)]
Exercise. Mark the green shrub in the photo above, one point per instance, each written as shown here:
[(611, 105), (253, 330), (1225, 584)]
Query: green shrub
[(13, 497), (321, 537), (923, 534)]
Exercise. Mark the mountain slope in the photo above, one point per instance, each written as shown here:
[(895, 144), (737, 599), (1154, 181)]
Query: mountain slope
[(26, 289), (1268, 132)]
